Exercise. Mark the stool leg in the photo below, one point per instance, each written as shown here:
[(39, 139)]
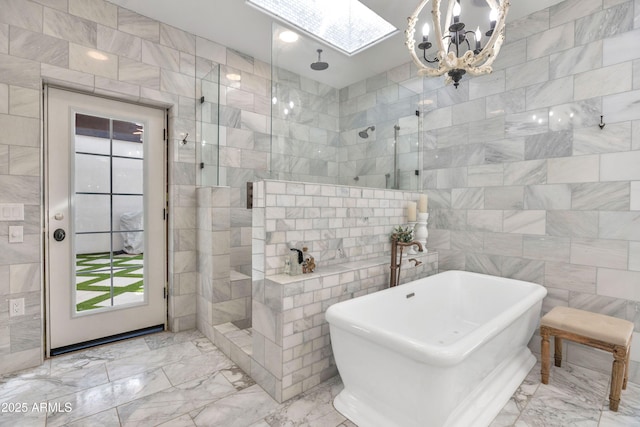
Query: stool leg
[(617, 375), (626, 367), (557, 350), (544, 354)]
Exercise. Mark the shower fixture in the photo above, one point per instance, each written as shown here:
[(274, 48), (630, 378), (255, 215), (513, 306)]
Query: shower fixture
[(364, 134), (319, 65)]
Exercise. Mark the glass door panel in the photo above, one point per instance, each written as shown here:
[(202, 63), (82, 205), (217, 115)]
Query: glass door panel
[(108, 213)]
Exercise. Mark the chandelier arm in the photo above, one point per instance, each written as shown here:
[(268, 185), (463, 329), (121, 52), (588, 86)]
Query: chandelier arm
[(410, 44), (495, 41)]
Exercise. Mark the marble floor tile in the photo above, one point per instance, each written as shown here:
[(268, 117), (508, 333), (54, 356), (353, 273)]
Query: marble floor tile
[(238, 410), (183, 380), (312, 408), (97, 399), (162, 356), (161, 407)]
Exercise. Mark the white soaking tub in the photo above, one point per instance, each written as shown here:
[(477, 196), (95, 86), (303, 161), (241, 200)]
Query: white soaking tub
[(446, 350)]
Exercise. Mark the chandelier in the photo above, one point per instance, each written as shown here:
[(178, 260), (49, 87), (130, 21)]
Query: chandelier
[(460, 51)]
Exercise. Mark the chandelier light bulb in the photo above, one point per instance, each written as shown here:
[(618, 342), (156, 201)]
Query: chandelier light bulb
[(493, 16), (457, 9), (425, 30)]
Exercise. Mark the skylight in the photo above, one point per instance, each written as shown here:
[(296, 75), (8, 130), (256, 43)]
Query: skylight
[(347, 25)]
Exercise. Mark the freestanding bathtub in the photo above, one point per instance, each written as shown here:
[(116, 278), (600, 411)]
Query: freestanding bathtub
[(445, 350)]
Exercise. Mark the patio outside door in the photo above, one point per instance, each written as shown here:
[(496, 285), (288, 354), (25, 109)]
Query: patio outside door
[(105, 218)]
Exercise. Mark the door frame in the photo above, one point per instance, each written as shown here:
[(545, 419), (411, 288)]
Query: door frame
[(46, 216)]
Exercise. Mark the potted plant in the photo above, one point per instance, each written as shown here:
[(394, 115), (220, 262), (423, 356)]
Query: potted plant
[(403, 234)]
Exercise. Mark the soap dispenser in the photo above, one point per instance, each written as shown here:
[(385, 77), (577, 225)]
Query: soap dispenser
[(295, 259)]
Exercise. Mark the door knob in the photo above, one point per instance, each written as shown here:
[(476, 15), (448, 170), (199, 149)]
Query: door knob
[(59, 235)]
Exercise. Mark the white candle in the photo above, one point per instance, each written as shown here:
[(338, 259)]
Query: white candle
[(422, 205), (411, 212)]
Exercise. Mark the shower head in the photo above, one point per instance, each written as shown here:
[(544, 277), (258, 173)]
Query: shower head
[(319, 65), (364, 134)]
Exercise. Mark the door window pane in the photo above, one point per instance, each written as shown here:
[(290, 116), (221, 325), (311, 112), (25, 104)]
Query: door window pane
[(127, 176), (92, 213), (93, 174)]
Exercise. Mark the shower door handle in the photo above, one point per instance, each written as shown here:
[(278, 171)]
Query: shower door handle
[(59, 235)]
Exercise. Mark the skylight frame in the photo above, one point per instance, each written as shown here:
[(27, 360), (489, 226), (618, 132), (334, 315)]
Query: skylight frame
[(289, 16)]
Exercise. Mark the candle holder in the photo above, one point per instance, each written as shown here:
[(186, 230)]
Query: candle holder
[(412, 249), (420, 229)]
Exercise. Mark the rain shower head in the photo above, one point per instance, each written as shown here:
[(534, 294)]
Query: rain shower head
[(319, 65), (364, 134)]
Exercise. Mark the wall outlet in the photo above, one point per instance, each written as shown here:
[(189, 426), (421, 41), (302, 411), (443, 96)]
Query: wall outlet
[(16, 307)]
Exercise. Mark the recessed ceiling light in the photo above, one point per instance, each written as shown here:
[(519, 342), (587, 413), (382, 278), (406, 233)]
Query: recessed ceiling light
[(288, 36), (347, 25), (97, 55)]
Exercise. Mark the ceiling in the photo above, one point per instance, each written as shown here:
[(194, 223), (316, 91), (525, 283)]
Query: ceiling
[(239, 26)]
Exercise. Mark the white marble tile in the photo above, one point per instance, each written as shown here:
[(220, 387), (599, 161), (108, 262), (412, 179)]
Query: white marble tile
[(547, 248), (550, 41), (161, 407), (106, 418), (618, 283), (138, 25), (524, 222), (139, 73), (24, 102), (68, 27), (634, 256), (599, 253), (566, 223), (608, 196), (581, 58), (98, 399), (243, 408), (603, 81), (573, 169), (622, 107), (24, 15), (120, 43), (587, 141), (571, 10), (571, 277), (91, 61), (19, 72), (605, 23), (552, 92), (97, 11), (196, 367), (122, 368), (312, 408), (529, 25), (39, 47), (211, 50), (620, 166)]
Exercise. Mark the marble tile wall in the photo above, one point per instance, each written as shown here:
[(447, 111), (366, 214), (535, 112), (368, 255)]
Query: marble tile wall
[(522, 181), (306, 136), (291, 345), (337, 223), (386, 100), (217, 302)]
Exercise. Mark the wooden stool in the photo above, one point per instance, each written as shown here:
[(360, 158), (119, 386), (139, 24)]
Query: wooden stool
[(596, 330)]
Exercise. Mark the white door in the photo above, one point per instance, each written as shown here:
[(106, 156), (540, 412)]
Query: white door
[(105, 219)]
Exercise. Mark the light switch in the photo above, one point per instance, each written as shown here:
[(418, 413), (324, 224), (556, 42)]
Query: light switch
[(11, 212), (16, 234)]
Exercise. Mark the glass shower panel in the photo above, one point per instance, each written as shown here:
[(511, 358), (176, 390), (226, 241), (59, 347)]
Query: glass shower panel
[(208, 145)]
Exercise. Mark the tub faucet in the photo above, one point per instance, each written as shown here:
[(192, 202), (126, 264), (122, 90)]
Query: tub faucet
[(415, 262), (394, 279)]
